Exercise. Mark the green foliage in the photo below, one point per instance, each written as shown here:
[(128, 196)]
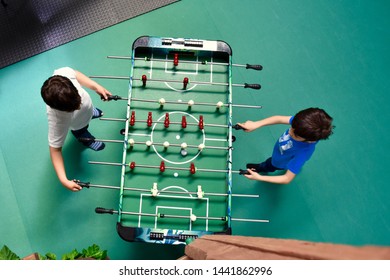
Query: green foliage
[(93, 252), (48, 256), (72, 255), (7, 254)]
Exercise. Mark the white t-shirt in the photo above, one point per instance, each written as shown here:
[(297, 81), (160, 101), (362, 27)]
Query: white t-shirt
[(59, 121)]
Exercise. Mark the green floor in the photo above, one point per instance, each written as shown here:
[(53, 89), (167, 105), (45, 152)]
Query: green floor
[(329, 54)]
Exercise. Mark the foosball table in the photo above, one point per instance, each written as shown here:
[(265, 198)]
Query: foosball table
[(176, 170)]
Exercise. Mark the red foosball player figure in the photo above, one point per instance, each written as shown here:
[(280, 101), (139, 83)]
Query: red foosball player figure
[(144, 79), (185, 83), (192, 168), (176, 60), (183, 122), (201, 123), (149, 121), (166, 122), (132, 165), (132, 118), (162, 166)]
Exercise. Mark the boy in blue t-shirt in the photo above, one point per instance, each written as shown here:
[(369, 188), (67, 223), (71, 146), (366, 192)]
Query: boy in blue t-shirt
[(294, 147)]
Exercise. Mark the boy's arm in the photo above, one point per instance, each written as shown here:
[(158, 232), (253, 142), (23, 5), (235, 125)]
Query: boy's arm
[(249, 126), (58, 164), (278, 179), (87, 82)]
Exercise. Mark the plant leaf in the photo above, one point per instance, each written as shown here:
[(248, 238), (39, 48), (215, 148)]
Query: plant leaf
[(94, 252), (7, 254), (71, 255)]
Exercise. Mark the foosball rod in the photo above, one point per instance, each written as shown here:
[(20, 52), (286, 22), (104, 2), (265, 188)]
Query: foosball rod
[(166, 144), (122, 132), (162, 122), (185, 81), (190, 103), (203, 62), (132, 165), (88, 185), (193, 218)]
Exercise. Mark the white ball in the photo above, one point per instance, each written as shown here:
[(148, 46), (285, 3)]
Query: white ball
[(183, 145), (166, 144), (219, 104), (149, 143), (183, 152), (162, 101), (193, 218), (201, 147), (191, 102)]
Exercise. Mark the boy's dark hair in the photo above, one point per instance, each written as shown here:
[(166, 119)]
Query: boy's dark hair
[(59, 93), (312, 124)]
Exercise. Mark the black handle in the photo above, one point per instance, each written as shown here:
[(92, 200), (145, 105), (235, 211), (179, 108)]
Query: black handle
[(101, 210), (254, 67), (114, 97), (253, 86), (82, 184), (243, 172), (237, 127)]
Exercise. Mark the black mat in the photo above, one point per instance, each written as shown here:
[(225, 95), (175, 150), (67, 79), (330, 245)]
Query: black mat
[(31, 27)]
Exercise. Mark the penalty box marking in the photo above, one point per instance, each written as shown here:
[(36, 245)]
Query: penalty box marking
[(194, 73), (190, 196)]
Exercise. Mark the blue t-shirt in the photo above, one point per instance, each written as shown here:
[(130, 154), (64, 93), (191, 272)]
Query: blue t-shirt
[(290, 154)]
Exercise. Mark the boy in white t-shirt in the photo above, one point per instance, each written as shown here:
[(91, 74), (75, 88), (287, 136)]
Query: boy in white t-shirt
[(69, 107)]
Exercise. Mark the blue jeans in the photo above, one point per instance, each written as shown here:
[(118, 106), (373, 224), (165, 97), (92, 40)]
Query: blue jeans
[(83, 136), (267, 166)]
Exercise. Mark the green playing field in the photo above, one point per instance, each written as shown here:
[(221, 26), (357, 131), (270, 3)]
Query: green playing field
[(178, 139)]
